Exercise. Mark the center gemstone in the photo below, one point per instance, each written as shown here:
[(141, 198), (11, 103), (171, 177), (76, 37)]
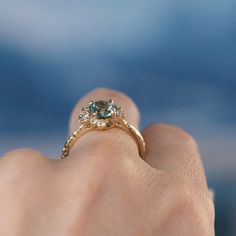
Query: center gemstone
[(103, 109)]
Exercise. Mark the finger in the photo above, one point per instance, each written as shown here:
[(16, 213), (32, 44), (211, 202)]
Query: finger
[(25, 160), (23, 153), (112, 141), (212, 194), (175, 152)]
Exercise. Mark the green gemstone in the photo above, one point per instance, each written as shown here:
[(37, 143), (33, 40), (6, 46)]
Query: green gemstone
[(103, 109)]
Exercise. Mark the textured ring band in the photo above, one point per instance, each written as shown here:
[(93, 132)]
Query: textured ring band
[(102, 115)]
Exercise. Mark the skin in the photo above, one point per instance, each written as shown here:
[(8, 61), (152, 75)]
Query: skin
[(104, 188)]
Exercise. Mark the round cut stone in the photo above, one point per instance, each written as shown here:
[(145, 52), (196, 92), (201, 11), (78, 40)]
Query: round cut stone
[(103, 109), (119, 113), (83, 115), (93, 121), (101, 124)]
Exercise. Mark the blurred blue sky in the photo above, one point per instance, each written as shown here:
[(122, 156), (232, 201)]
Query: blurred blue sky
[(176, 59)]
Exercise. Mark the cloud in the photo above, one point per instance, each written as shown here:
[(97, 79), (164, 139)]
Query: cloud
[(115, 25), (43, 25)]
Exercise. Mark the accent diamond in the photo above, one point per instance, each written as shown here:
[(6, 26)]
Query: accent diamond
[(93, 120), (83, 115), (101, 123)]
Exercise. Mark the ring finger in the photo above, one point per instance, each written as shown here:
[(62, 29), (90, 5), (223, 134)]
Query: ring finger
[(113, 142)]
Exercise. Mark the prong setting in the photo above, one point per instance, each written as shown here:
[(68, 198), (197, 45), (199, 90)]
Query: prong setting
[(100, 114)]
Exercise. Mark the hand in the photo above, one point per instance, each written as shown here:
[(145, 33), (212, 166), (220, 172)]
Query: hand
[(103, 188)]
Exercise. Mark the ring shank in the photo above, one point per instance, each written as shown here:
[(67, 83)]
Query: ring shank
[(133, 132), (121, 124)]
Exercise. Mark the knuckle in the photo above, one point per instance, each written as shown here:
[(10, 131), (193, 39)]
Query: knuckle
[(22, 160), (23, 154), (176, 133), (22, 167)]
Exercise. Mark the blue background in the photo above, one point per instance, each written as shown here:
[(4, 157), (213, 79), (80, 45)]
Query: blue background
[(176, 59)]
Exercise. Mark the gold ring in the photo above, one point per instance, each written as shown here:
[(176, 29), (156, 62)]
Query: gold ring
[(102, 115)]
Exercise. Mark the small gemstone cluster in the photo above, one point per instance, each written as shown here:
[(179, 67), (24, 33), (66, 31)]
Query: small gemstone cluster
[(100, 113)]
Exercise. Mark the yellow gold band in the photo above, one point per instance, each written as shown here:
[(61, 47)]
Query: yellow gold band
[(82, 130)]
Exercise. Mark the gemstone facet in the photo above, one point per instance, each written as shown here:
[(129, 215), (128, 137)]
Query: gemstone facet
[(102, 109)]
